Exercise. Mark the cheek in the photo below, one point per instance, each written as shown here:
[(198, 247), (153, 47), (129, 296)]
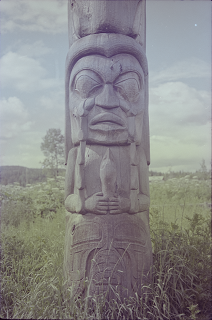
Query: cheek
[(75, 105), (138, 106), (133, 94), (72, 102)]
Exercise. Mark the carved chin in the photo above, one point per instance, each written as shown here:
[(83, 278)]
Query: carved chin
[(108, 135)]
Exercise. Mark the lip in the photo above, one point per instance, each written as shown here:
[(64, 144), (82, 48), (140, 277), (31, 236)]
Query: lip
[(107, 118)]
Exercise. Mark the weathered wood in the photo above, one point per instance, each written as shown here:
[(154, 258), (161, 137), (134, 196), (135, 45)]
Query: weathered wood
[(107, 149), (107, 16)]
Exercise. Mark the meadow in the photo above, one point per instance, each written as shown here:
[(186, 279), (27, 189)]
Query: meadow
[(32, 246)]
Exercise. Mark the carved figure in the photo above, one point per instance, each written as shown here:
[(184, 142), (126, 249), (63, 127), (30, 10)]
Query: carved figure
[(107, 149)]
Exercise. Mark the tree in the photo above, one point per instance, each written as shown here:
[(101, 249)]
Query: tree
[(204, 175), (53, 149)]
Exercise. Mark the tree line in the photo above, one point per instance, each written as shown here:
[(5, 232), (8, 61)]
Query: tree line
[(52, 147), (24, 176)]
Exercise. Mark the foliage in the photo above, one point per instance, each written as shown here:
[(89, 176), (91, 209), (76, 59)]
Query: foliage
[(182, 266), (154, 173), (32, 258), (53, 149), (22, 175), (203, 173), (25, 204)]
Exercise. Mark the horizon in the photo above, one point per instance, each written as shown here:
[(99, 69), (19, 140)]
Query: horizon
[(155, 171)]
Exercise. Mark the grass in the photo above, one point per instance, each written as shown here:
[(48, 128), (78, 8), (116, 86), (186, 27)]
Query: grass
[(32, 284)]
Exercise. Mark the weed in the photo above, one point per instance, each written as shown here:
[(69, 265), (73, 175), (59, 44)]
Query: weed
[(32, 284)]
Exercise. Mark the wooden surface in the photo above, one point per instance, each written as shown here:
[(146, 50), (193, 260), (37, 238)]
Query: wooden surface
[(107, 145)]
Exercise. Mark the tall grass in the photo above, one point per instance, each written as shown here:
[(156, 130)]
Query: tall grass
[(32, 284)]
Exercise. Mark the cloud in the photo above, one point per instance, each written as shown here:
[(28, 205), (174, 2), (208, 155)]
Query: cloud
[(53, 109), (36, 49), (34, 16), (179, 126), (174, 105), (24, 73), (24, 150), (186, 155), (188, 69), (14, 118), (54, 100)]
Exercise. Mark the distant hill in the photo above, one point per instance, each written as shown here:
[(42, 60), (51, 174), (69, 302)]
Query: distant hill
[(23, 175)]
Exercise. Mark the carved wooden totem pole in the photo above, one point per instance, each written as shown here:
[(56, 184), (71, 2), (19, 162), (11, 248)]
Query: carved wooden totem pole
[(107, 148)]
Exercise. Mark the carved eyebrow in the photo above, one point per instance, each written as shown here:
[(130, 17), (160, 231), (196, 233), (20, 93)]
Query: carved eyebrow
[(96, 76), (85, 75), (122, 78)]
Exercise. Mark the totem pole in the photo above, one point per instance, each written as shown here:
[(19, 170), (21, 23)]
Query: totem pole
[(107, 149)]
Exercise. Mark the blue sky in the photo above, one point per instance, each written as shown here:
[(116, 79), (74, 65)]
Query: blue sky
[(34, 44)]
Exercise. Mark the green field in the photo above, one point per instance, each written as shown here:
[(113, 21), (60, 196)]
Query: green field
[(32, 243)]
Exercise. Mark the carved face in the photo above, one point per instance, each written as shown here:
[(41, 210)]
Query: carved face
[(109, 94)]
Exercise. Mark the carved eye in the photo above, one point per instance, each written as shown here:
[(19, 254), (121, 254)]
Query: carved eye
[(87, 83), (128, 86)]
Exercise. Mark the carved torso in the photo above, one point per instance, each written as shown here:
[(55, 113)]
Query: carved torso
[(106, 169)]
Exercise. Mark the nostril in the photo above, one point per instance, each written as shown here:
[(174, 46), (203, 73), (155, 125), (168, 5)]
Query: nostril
[(107, 99)]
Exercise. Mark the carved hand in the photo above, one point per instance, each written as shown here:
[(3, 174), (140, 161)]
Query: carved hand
[(97, 204), (100, 204), (118, 205)]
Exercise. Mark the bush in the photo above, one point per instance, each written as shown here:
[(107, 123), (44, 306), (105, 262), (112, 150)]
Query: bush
[(25, 204)]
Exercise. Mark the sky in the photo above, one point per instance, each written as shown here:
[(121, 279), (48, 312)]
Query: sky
[(34, 45)]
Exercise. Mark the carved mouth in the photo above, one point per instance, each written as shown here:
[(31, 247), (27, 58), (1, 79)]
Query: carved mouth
[(107, 118)]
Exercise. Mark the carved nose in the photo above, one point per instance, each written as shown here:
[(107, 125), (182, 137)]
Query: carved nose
[(107, 98)]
